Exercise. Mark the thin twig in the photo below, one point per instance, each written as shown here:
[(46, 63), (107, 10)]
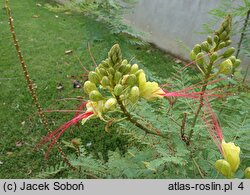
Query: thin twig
[(91, 55), (30, 83)]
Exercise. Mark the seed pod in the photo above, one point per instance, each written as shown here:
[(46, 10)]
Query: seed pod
[(192, 55), (205, 46), (216, 39), (221, 45), (105, 81), (131, 80), (134, 68), (134, 94), (247, 173), (93, 77), (117, 77), (232, 58), (226, 67), (224, 167), (110, 103), (214, 57), (115, 55), (200, 58), (209, 40), (89, 86), (118, 90), (95, 96), (197, 49), (236, 64), (228, 52)]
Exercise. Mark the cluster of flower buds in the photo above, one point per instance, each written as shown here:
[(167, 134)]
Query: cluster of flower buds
[(229, 165), (216, 49), (116, 79)]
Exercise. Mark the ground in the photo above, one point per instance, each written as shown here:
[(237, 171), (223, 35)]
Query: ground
[(44, 36)]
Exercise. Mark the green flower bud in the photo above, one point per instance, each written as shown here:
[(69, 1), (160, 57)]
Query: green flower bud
[(134, 68), (221, 45), (95, 96), (117, 77), (131, 80), (236, 64), (228, 52), (127, 68), (124, 62), (232, 58), (228, 42), (247, 173), (93, 77), (122, 68), (104, 64), (216, 39), (224, 167), (115, 55), (138, 72), (226, 67), (103, 72), (197, 49), (214, 57), (205, 46), (111, 71), (110, 104), (89, 86), (223, 36), (105, 81), (200, 58), (209, 40), (192, 55), (118, 90), (134, 94)]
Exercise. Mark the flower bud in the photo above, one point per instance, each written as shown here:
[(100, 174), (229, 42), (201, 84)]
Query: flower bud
[(231, 154), (228, 52), (89, 86), (138, 72), (247, 173), (214, 57), (95, 96), (134, 69), (192, 55), (233, 59), (111, 71), (93, 77), (197, 49), (200, 58), (110, 103), (209, 40), (105, 81), (124, 62), (117, 77), (115, 55), (134, 94), (103, 72), (223, 36), (205, 46), (236, 63), (104, 64), (224, 167), (226, 67), (122, 68), (216, 39), (127, 68), (221, 45), (118, 90), (131, 80), (228, 42)]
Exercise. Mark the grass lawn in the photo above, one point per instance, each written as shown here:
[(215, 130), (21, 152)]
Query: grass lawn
[(44, 37)]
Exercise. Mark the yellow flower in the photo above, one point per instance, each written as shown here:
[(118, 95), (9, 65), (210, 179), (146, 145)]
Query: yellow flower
[(149, 90), (231, 154), (96, 107), (224, 167)]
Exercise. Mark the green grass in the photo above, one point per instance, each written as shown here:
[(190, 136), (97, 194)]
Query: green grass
[(43, 41)]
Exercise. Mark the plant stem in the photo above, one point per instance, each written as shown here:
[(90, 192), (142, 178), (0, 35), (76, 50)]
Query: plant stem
[(203, 90), (135, 122), (30, 83)]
